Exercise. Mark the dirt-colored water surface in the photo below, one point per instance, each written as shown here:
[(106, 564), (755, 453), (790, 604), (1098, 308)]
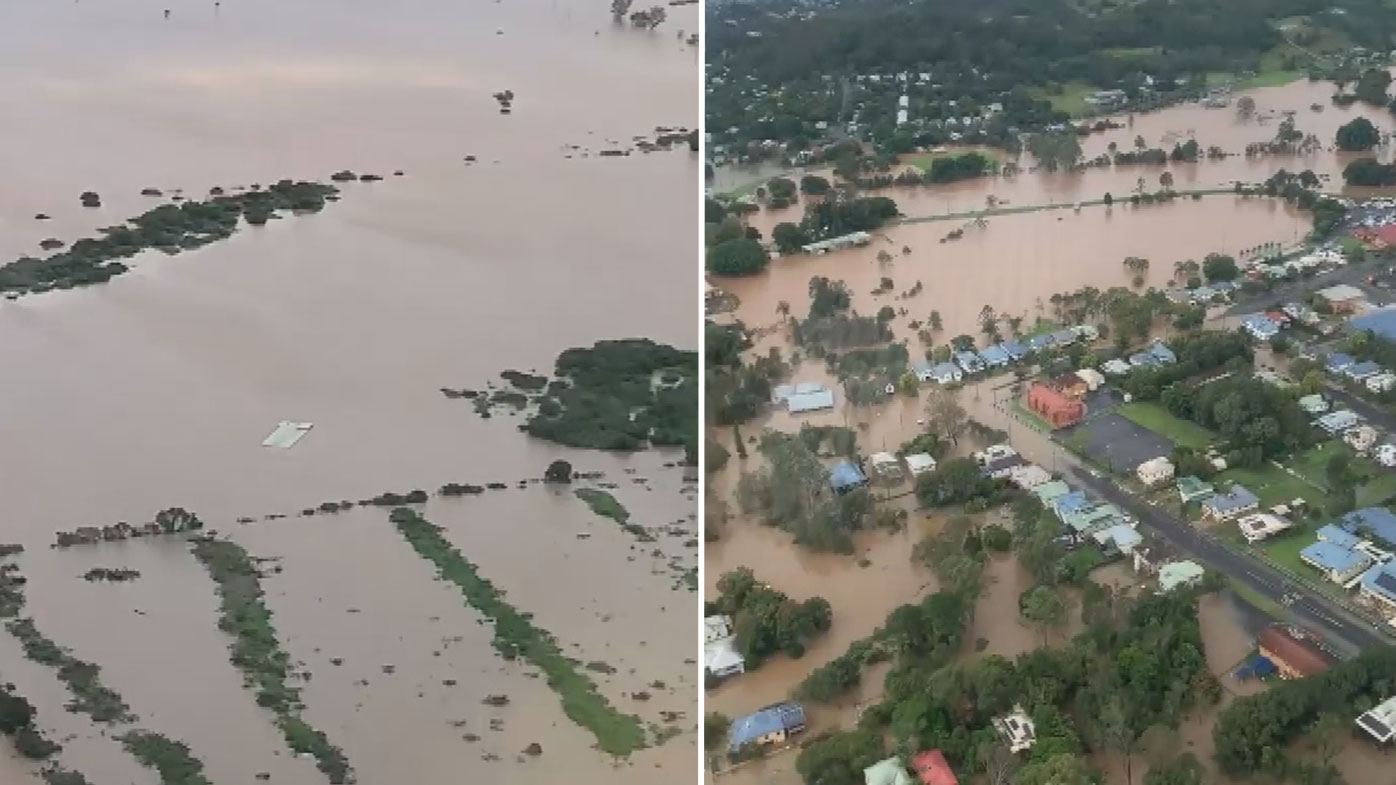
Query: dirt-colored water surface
[(157, 389)]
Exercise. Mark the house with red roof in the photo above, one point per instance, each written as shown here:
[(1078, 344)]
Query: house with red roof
[(931, 768)]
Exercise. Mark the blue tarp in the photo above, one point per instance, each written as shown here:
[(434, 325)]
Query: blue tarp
[(846, 476), (1257, 667)]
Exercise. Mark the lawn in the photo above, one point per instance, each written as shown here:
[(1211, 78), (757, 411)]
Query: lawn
[(1072, 98), (1271, 484), (1284, 548), (1159, 420), (1266, 78), (1313, 463), (1378, 484)]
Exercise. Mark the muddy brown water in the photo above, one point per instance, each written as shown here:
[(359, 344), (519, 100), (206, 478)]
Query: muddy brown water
[(157, 389)]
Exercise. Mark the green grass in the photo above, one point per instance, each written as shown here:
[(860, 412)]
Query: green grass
[(516, 636), (1162, 422), (1270, 484), (1376, 484), (1130, 52), (1284, 548), (256, 651), (605, 505), (1265, 78), (1313, 463), (1072, 99), (1376, 491), (1350, 244), (1258, 601)]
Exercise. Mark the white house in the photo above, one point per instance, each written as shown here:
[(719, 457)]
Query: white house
[(1259, 526), (1313, 405), (1385, 455), (1154, 471), (1016, 729), (1361, 438), (943, 373), (720, 656), (1381, 382), (920, 463)]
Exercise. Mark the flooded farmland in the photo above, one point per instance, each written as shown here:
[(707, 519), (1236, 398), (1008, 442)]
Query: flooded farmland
[(157, 389)]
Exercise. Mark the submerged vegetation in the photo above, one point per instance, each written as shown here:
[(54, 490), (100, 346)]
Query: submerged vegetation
[(171, 228), (616, 395), (516, 636), (266, 667), (766, 619), (605, 505), (168, 757)]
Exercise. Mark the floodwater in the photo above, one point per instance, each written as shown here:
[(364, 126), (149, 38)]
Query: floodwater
[(156, 389)]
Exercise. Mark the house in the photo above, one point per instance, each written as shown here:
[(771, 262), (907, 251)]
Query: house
[(886, 466), (1385, 455), (1015, 350), (1378, 587), (1294, 652), (1162, 354), (1313, 405), (1361, 438), (803, 397), (931, 768), (1225, 506), (774, 724), (1336, 563), (856, 239), (1360, 371), (887, 772), (1381, 323), (995, 356), (1261, 525), (1038, 343), (846, 477), (1086, 332), (1381, 382), (1142, 360), (1016, 729), (1065, 336), (1002, 466), (1028, 476), (1070, 385), (1179, 573), (1049, 492), (1260, 327), (1191, 489), (969, 361), (920, 463), (1374, 523), (1343, 298), (1337, 422), (1379, 722), (720, 656), (1120, 538), (1115, 368), (1338, 362), (944, 373), (1091, 518), (1094, 379), (1154, 471), (1337, 536), (1057, 409), (993, 452)]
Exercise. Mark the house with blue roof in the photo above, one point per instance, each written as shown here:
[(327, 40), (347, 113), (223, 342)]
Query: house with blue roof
[(1039, 343), (1072, 501), (1363, 370), (1260, 327), (1065, 337), (846, 477), (1374, 523), (1382, 322), (1337, 564), (1143, 360), (1378, 587), (995, 356), (1162, 353), (1015, 350), (774, 724), (1092, 518), (1224, 287), (1339, 537), (1338, 362), (969, 361), (1225, 506)]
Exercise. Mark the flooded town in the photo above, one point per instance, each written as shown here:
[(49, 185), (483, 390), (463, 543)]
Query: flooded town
[(249, 537), (991, 429)]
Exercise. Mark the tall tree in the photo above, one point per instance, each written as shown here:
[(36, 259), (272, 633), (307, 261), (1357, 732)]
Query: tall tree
[(945, 414)]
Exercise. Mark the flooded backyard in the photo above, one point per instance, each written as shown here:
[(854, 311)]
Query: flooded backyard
[(156, 389)]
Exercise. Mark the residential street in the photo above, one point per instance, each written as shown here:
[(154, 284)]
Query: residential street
[(1340, 629)]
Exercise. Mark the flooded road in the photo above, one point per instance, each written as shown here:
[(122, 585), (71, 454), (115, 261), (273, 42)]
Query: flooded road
[(157, 389)]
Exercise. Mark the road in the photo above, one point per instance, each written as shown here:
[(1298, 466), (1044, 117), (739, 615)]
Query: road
[(1377, 416), (1339, 628)]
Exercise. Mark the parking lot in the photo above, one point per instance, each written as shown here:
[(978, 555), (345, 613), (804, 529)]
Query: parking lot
[(1110, 440)]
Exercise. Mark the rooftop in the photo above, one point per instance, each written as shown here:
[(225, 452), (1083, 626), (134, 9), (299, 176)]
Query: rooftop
[(1381, 322), (846, 475), (887, 772), (1380, 721), (1174, 574), (1050, 491), (1341, 293), (931, 768), (1381, 579), (1373, 522), (1236, 499), (1338, 536), (771, 719), (1333, 558), (1295, 649)]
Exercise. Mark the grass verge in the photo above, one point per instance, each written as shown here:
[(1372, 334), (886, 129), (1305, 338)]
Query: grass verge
[(516, 636), (258, 654)]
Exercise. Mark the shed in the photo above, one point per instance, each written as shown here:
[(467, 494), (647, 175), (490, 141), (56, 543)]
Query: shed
[(1179, 573), (886, 465)]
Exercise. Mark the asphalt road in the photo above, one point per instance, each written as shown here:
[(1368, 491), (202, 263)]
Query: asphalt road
[(1339, 628), (1378, 417)]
